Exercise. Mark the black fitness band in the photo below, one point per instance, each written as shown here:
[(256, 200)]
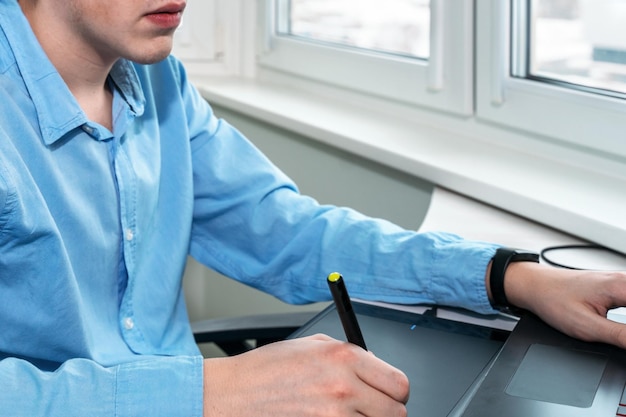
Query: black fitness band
[(499, 263)]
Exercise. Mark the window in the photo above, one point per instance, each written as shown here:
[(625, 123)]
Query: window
[(576, 44), (553, 72), (411, 51)]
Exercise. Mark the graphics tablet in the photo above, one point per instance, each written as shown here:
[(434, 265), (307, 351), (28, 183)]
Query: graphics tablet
[(444, 360)]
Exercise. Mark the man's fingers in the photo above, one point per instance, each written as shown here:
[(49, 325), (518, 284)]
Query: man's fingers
[(385, 378), (608, 331)]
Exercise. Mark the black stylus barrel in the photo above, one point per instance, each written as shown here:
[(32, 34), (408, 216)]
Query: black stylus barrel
[(344, 308)]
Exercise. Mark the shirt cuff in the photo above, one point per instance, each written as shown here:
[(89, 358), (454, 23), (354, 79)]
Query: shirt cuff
[(458, 276), (166, 386)]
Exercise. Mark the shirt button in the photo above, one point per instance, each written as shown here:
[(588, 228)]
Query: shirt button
[(129, 234), (129, 323)]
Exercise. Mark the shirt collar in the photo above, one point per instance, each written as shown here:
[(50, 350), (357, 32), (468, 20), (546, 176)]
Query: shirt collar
[(57, 110), (125, 78)]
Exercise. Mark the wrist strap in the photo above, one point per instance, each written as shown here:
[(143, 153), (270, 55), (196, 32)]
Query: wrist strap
[(499, 263)]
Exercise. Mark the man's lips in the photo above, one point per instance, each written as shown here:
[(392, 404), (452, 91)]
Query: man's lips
[(172, 8), (168, 16)]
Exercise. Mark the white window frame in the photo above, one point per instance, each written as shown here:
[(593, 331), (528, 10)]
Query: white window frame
[(210, 39), (571, 117), (443, 82)]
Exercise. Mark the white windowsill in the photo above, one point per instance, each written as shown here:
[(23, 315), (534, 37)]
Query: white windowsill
[(582, 202)]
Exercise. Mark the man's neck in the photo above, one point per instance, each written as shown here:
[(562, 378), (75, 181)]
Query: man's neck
[(85, 74)]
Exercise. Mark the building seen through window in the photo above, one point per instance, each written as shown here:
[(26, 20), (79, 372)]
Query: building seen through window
[(577, 42), (394, 26)]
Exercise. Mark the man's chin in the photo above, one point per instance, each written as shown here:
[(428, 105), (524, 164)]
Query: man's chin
[(151, 59), (156, 54)]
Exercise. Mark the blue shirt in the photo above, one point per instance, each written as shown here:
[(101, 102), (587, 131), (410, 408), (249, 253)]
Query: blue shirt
[(96, 227)]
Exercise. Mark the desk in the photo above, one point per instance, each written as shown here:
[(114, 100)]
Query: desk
[(471, 219)]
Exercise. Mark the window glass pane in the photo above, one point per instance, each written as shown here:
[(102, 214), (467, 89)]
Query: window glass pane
[(582, 42), (393, 26)]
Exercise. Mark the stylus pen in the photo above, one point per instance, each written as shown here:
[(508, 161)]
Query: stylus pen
[(344, 308)]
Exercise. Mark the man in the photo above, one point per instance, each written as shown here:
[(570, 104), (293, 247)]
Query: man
[(113, 169)]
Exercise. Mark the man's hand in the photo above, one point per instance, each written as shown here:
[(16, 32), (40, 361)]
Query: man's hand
[(311, 376), (575, 302)]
